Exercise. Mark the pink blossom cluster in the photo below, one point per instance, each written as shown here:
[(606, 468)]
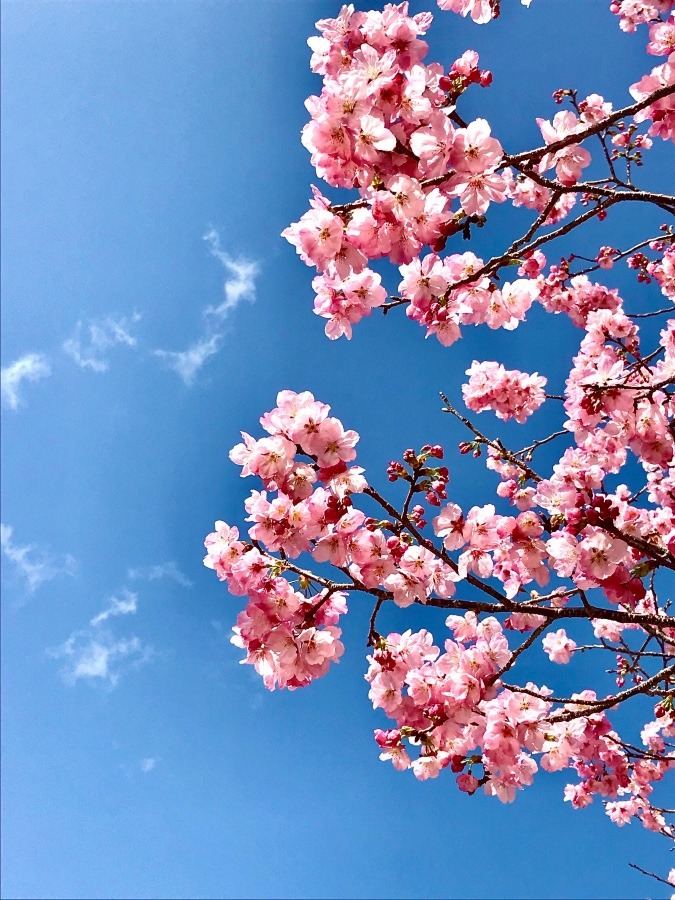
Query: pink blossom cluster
[(382, 125), (639, 12), (386, 124), (569, 160), (663, 271), (452, 708), (289, 638), (577, 297), (452, 704), (627, 398), (509, 393), (506, 547), (589, 745), (661, 113), (441, 309), (481, 11), (526, 192)]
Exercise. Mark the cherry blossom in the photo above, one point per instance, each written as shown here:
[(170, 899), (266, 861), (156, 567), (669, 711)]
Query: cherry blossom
[(570, 558)]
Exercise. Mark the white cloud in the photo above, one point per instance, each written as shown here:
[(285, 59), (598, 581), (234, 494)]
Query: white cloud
[(165, 570), (240, 283), (88, 351), (33, 563), (96, 654), (188, 362), (119, 606), (30, 367), (148, 764), (99, 656)]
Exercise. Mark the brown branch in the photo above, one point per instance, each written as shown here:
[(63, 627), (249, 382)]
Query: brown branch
[(600, 705), (651, 874), (602, 125)]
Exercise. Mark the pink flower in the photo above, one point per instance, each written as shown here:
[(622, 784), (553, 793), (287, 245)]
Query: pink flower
[(558, 646), (467, 783), (372, 138), (569, 160), (476, 191), (317, 237), (473, 150), (481, 11)]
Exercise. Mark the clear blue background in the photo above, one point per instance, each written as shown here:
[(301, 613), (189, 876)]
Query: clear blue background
[(129, 130)]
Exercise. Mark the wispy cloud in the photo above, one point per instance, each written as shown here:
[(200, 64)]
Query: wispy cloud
[(119, 606), (35, 564), (31, 367), (148, 764), (165, 570), (240, 283), (88, 344), (99, 656), (188, 362)]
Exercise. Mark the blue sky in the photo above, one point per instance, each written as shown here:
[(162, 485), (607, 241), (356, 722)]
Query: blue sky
[(151, 158)]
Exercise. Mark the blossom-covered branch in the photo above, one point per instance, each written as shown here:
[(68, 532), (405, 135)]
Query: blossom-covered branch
[(563, 543)]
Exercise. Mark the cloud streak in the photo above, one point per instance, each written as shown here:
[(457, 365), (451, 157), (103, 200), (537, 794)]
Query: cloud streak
[(101, 656), (164, 570), (87, 351), (187, 363), (119, 606), (31, 367), (95, 654), (35, 564), (239, 285)]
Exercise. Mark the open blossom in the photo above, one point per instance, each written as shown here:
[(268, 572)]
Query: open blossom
[(558, 646), (317, 237), (481, 11), (477, 190), (344, 302), (507, 307), (638, 12), (594, 108), (661, 112), (569, 160), (662, 37), (474, 150)]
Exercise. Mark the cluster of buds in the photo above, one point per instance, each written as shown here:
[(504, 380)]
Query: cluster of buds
[(628, 145), (435, 486), (472, 447), (463, 72), (599, 510), (336, 508), (416, 516), (623, 667), (396, 470), (561, 94), (639, 262), (587, 198), (431, 480), (664, 707)]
